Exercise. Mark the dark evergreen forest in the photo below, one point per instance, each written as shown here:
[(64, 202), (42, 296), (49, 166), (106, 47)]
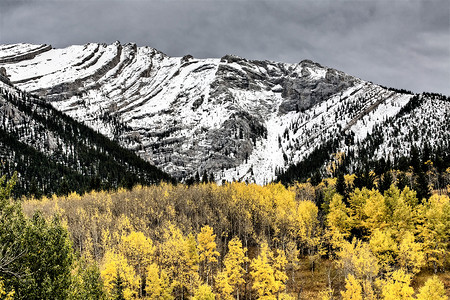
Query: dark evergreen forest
[(54, 154)]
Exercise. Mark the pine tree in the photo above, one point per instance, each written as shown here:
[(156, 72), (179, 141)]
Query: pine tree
[(118, 287), (341, 186)]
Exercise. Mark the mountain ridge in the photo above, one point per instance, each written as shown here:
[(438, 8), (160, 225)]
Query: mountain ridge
[(234, 118)]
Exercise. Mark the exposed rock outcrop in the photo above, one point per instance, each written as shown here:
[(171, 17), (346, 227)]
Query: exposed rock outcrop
[(224, 116)]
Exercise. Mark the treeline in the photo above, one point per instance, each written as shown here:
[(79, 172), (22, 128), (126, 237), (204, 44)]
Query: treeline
[(415, 140), (55, 154), (240, 241), (424, 170)]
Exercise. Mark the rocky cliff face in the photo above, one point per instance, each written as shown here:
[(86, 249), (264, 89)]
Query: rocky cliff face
[(235, 118)]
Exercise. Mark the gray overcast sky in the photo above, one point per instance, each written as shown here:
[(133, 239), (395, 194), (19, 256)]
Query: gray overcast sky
[(397, 43)]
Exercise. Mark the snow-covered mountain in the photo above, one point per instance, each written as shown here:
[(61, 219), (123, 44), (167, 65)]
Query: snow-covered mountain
[(236, 118), (52, 153)]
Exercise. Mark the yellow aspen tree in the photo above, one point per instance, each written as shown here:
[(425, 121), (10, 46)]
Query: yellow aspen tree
[(400, 216), (279, 263), (139, 251), (384, 247), (375, 210), (106, 240), (204, 292), (283, 213), (338, 221), (434, 229), (263, 277), (308, 229), (357, 202), (234, 271), (409, 197), (353, 289), (123, 228), (157, 284), (190, 277), (207, 252), (357, 259), (172, 258), (397, 287), (224, 289), (114, 265), (433, 289), (368, 292), (410, 255)]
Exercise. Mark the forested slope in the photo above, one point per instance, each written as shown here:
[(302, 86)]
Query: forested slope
[(253, 242), (53, 153)]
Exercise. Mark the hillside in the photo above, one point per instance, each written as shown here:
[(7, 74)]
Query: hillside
[(232, 118), (53, 153)]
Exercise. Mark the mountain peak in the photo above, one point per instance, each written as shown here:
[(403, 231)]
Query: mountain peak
[(235, 118)]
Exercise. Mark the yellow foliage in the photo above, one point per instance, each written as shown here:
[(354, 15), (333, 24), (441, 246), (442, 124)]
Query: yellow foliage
[(284, 208), (207, 245), (4, 294), (207, 250), (223, 286), (400, 215), (304, 191), (338, 221), (384, 247), (139, 251), (410, 256), (434, 229), (279, 263), (409, 197), (179, 259), (368, 209), (137, 248), (204, 292), (397, 287), (432, 290), (264, 282), (353, 290), (285, 296), (350, 179), (157, 284), (368, 292), (151, 224), (356, 258), (326, 294), (307, 224), (116, 263), (268, 273), (232, 279)]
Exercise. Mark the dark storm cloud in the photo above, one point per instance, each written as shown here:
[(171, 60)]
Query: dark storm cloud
[(401, 43)]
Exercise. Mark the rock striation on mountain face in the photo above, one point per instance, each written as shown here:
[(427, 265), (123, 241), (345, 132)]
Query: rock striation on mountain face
[(234, 118), (52, 153)]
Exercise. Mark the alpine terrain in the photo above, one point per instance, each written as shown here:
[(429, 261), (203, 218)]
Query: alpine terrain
[(226, 118), (52, 153)]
